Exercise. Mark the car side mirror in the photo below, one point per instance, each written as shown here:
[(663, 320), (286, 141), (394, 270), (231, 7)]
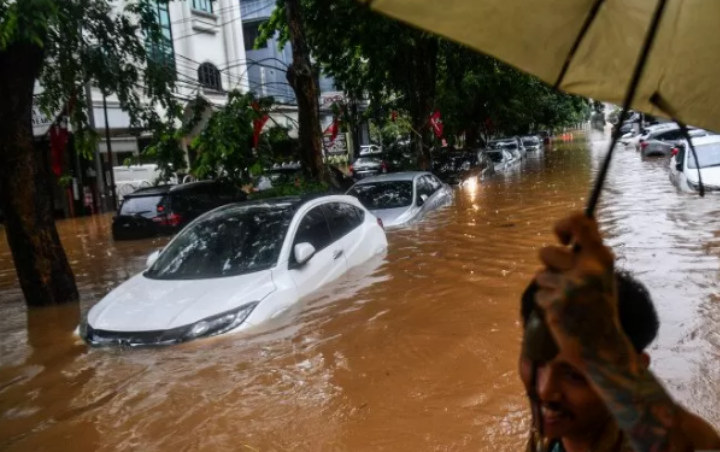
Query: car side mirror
[(678, 166), (303, 252), (152, 258), (421, 199)]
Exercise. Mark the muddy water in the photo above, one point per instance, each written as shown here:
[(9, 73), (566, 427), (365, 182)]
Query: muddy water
[(414, 352)]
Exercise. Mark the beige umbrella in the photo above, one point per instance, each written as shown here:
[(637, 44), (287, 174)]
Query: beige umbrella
[(657, 56), (590, 47)]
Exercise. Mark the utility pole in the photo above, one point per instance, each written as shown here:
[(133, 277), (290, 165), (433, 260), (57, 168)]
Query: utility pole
[(110, 156)]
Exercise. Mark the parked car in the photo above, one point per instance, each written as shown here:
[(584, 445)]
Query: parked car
[(501, 158), (513, 146), (684, 171), (660, 143), (129, 178), (402, 198), (368, 166), (647, 131), (279, 173), (532, 143), (453, 167), (168, 208), (236, 267), (367, 150)]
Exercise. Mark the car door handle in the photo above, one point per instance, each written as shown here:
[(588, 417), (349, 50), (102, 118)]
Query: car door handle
[(337, 254)]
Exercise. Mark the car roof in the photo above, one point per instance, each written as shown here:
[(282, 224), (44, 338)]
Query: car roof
[(708, 139), (390, 177)]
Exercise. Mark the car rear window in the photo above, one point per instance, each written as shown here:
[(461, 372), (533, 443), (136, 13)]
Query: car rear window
[(384, 195), (140, 205)]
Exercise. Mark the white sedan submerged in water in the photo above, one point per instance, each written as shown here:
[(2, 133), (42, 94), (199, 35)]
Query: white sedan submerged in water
[(402, 198), (236, 267)]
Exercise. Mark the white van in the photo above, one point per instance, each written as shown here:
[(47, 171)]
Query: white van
[(130, 178)]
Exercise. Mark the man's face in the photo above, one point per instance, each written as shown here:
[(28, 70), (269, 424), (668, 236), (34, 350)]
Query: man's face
[(570, 407)]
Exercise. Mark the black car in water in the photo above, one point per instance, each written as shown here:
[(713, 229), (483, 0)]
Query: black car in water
[(167, 208), (452, 167)]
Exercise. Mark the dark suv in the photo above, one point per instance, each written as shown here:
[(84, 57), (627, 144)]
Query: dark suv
[(167, 208)]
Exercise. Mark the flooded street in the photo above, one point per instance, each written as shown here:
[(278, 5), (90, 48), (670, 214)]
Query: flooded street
[(418, 352)]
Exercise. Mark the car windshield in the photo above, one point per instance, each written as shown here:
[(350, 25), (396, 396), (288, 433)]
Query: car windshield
[(230, 242), (530, 142), (384, 195), (369, 150), (708, 155), (140, 205), (495, 156), (510, 146)]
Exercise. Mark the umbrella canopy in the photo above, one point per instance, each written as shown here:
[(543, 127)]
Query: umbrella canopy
[(590, 47)]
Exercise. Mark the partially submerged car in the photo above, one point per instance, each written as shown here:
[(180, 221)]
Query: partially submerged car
[(236, 267), (453, 167), (402, 198), (166, 209), (684, 172)]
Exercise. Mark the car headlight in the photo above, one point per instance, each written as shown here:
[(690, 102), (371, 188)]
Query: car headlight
[(220, 323)]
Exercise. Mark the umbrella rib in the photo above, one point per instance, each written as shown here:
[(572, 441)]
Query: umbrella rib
[(583, 31)]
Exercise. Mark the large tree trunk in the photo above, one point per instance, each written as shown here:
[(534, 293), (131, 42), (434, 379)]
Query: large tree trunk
[(423, 97), (301, 77), (25, 191)]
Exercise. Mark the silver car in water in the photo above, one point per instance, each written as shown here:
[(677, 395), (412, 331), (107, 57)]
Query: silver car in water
[(402, 198)]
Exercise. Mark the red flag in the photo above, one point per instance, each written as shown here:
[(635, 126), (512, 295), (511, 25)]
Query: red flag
[(58, 143), (332, 130), (393, 115), (258, 124), (436, 123)]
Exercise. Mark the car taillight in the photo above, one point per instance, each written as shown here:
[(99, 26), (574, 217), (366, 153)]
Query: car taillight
[(643, 144), (160, 209), (380, 223), (350, 168), (675, 151), (168, 220), (383, 167)]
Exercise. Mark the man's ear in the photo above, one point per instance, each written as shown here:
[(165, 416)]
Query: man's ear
[(644, 360)]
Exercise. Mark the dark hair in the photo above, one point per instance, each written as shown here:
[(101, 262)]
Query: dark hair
[(638, 318)]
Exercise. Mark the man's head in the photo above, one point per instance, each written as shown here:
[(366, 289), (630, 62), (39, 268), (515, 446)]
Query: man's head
[(571, 408)]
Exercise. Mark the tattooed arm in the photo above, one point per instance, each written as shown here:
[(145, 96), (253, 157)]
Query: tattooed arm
[(578, 295)]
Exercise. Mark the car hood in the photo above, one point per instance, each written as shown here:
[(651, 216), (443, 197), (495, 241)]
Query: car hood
[(710, 176), (394, 217), (144, 304)]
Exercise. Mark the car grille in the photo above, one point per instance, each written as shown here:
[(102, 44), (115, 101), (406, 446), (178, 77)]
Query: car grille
[(101, 338)]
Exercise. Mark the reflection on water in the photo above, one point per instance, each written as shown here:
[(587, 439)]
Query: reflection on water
[(414, 353)]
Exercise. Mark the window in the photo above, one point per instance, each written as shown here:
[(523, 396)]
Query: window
[(232, 241), (669, 136), (434, 182), (383, 195), (251, 30), (160, 49), (314, 230), (343, 218), (203, 5), (209, 76), (424, 187)]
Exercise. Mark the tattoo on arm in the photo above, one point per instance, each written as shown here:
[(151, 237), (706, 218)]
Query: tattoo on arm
[(639, 404)]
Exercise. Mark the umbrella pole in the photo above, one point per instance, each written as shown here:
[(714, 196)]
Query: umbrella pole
[(629, 97)]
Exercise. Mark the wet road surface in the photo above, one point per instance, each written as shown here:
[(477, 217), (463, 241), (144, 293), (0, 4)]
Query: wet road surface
[(416, 352)]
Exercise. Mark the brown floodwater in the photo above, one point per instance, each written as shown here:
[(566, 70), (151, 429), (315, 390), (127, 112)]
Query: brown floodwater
[(416, 352)]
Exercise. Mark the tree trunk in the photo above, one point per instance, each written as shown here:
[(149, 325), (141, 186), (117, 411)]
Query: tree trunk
[(423, 98), (25, 190), (301, 77)]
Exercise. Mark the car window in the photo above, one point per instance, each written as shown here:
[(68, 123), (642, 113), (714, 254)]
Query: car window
[(424, 187), (233, 241), (145, 206), (496, 157), (383, 195), (670, 135), (434, 182), (708, 155), (313, 229), (343, 218)]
